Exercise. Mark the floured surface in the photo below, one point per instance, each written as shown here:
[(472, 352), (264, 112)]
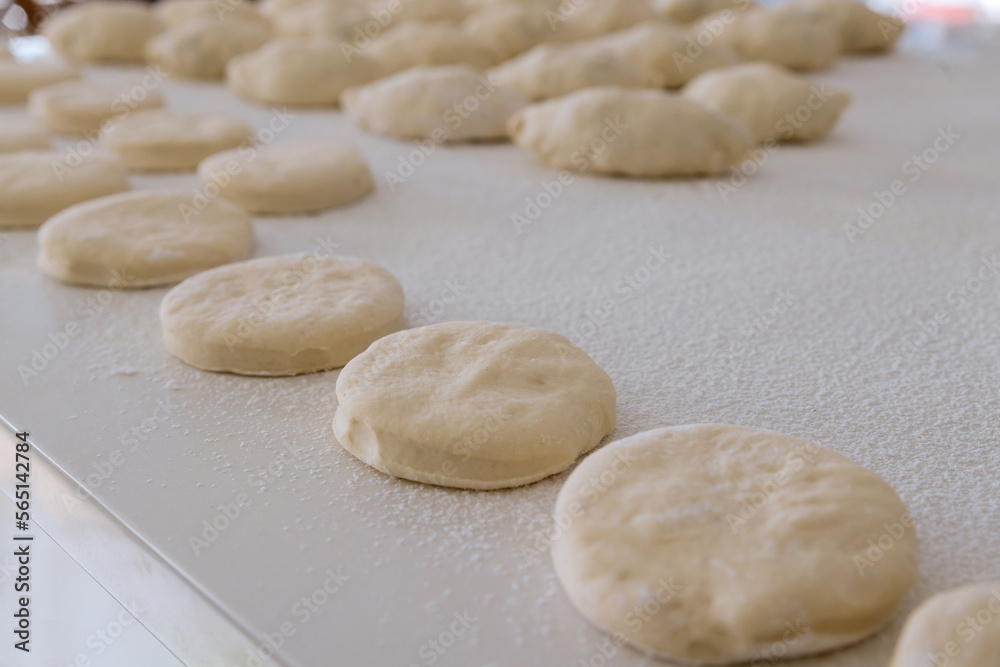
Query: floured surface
[(683, 347)]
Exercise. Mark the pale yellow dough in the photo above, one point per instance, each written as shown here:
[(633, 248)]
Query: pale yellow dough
[(35, 185), (774, 103), (77, 107), (142, 239), (201, 49), (299, 72), (473, 405), (957, 628), (161, 140), (446, 103), (790, 35), (103, 30), (427, 43), (19, 133), (289, 177), (174, 13), (508, 30), (714, 544), (282, 315), (645, 133), (17, 80), (861, 29)]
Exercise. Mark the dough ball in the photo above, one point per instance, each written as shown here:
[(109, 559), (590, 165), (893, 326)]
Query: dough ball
[(473, 405), (321, 18), (161, 140), (861, 30), (447, 103), (420, 10), (645, 133), (789, 36), (103, 30), (17, 80), (35, 185), (22, 134), (428, 43), (201, 49), (289, 177), (710, 544), (77, 107), (688, 11), (590, 18), (959, 628), (298, 72), (774, 103), (661, 47), (175, 13), (142, 239), (281, 315), (508, 30), (553, 70)]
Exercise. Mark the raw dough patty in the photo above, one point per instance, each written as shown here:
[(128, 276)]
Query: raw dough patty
[(281, 315), (17, 80), (714, 544), (958, 628), (81, 106), (161, 140), (35, 185), (18, 133), (141, 239), (289, 177), (473, 405)]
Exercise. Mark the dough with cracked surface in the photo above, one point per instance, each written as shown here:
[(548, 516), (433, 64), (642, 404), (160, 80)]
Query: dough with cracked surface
[(281, 315), (714, 544), (473, 405)]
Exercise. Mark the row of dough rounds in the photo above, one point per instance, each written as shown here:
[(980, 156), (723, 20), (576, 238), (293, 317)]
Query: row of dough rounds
[(704, 544)]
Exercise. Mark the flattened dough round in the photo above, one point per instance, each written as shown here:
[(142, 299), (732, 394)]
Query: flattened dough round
[(645, 133), (35, 185), (201, 49), (103, 30), (299, 72), (162, 140), (82, 106), (732, 541), (446, 103), (19, 133), (141, 239), (282, 315), (174, 13), (17, 80), (473, 405), (940, 632), (289, 177)]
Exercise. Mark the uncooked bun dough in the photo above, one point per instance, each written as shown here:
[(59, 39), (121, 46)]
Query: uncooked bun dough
[(770, 100), (299, 72), (508, 30), (35, 185), (83, 106), (590, 18), (103, 30), (320, 18), (553, 70), (178, 12), (687, 11), (421, 10), (713, 544), (958, 628), (161, 140), (447, 103), (282, 315), (17, 80), (790, 35), (473, 405), (645, 133), (861, 30), (289, 177), (428, 43), (662, 47), (201, 49), (18, 133), (142, 239)]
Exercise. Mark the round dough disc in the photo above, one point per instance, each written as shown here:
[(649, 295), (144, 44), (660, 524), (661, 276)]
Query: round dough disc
[(102, 30), (161, 140), (17, 80), (82, 106), (473, 405), (281, 315), (289, 177), (22, 134), (141, 239), (717, 544), (958, 628), (35, 185)]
